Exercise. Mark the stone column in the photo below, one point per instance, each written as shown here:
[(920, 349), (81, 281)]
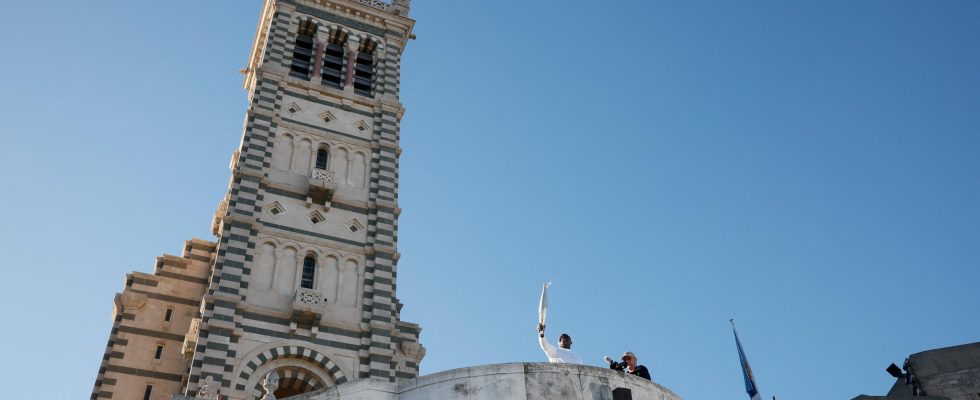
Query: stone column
[(321, 43), (353, 44)]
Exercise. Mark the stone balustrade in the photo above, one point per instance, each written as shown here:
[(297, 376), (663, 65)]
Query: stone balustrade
[(322, 175), (307, 297), (375, 3)]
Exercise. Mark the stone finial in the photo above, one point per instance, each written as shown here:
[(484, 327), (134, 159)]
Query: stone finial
[(400, 7), (270, 384)]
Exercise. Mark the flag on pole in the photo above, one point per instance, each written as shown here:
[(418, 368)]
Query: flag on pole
[(750, 387), (543, 304)]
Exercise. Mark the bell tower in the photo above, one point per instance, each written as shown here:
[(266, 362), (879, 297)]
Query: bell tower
[(302, 277), (303, 281)]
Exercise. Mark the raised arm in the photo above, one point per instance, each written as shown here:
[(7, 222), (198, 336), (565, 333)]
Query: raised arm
[(547, 348)]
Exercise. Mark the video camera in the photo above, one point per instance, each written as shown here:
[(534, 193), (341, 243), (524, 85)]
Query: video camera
[(618, 366)]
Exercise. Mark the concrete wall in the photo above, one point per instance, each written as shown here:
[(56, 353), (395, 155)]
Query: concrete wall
[(952, 372), (516, 381)]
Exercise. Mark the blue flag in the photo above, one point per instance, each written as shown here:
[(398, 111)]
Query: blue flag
[(750, 387)]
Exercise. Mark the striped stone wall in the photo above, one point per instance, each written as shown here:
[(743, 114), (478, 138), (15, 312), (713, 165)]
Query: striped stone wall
[(140, 325), (244, 332)]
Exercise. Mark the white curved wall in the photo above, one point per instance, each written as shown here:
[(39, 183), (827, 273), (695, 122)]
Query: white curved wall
[(516, 381)]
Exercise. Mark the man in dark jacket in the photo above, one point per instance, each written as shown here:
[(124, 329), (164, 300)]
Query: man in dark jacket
[(632, 368)]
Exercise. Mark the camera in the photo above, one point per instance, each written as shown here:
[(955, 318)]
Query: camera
[(618, 366)]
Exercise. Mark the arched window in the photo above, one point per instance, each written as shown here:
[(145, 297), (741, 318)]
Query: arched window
[(303, 50), (332, 71), (364, 69), (321, 159), (309, 270)]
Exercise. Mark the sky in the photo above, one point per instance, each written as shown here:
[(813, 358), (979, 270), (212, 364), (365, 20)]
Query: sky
[(809, 169)]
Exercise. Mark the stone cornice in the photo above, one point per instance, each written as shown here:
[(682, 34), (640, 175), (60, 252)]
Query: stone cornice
[(368, 13), (261, 30)]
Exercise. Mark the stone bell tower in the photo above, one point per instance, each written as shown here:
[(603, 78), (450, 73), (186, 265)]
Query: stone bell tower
[(302, 278)]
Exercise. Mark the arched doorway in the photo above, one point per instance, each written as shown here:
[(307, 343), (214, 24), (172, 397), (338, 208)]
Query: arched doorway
[(294, 380), (300, 369)]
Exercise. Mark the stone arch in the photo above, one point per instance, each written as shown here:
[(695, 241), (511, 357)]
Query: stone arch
[(299, 20), (282, 152), (285, 275), (302, 156), (278, 356), (371, 42), (355, 258), (265, 263), (328, 252), (340, 164), (328, 277), (309, 250), (288, 243), (294, 379), (349, 282), (358, 169), (338, 34)]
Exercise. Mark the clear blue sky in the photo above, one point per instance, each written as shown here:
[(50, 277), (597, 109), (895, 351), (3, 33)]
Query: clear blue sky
[(810, 169)]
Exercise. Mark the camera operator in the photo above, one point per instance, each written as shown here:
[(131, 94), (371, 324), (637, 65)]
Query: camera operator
[(629, 366)]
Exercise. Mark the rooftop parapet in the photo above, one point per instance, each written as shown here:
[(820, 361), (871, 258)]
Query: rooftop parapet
[(515, 381)]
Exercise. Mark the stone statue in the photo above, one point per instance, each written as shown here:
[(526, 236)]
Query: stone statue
[(209, 390), (270, 384)]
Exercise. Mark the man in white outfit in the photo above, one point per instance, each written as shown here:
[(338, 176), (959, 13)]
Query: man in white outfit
[(563, 353)]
